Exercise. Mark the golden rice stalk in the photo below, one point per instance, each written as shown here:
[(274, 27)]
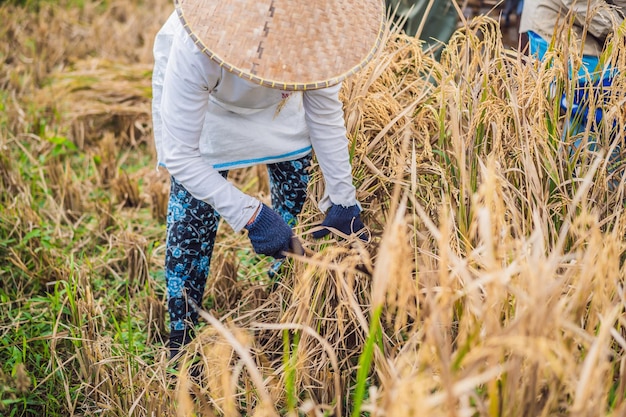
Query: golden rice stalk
[(239, 342), (393, 282), (99, 96), (126, 190), (137, 258), (118, 31), (158, 189), (10, 182)]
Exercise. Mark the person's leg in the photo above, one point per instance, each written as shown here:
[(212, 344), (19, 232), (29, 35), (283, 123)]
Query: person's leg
[(191, 230), (288, 188)]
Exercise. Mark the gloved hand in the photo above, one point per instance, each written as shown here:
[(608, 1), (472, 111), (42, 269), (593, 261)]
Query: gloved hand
[(345, 219), (269, 233)]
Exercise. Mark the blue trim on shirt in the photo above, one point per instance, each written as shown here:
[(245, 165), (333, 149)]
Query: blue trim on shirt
[(261, 160)]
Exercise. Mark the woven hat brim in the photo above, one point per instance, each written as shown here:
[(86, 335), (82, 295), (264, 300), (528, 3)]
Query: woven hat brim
[(292, 45)]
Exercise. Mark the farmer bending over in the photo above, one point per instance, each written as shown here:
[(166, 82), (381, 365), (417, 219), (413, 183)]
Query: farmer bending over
[(244, 82)]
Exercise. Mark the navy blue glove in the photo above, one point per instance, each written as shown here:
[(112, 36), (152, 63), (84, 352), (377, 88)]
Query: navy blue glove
[(269, 233), (345, 219)]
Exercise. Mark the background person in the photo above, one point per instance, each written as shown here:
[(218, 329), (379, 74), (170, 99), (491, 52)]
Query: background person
[(591, 22)]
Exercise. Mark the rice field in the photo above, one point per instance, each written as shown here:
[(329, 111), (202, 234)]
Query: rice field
[(493, 284)]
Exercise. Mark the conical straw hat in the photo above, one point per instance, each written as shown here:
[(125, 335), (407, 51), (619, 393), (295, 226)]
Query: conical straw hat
[(286, 44)]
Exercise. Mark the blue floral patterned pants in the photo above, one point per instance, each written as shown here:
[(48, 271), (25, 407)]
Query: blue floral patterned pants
[(192, 228)]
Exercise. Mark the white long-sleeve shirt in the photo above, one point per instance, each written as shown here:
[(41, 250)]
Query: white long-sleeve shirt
[(207, 120)]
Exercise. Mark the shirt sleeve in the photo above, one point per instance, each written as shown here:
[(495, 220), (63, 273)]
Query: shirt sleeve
[(188, 81), (602, 17), (325, 119), (160, 51)]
